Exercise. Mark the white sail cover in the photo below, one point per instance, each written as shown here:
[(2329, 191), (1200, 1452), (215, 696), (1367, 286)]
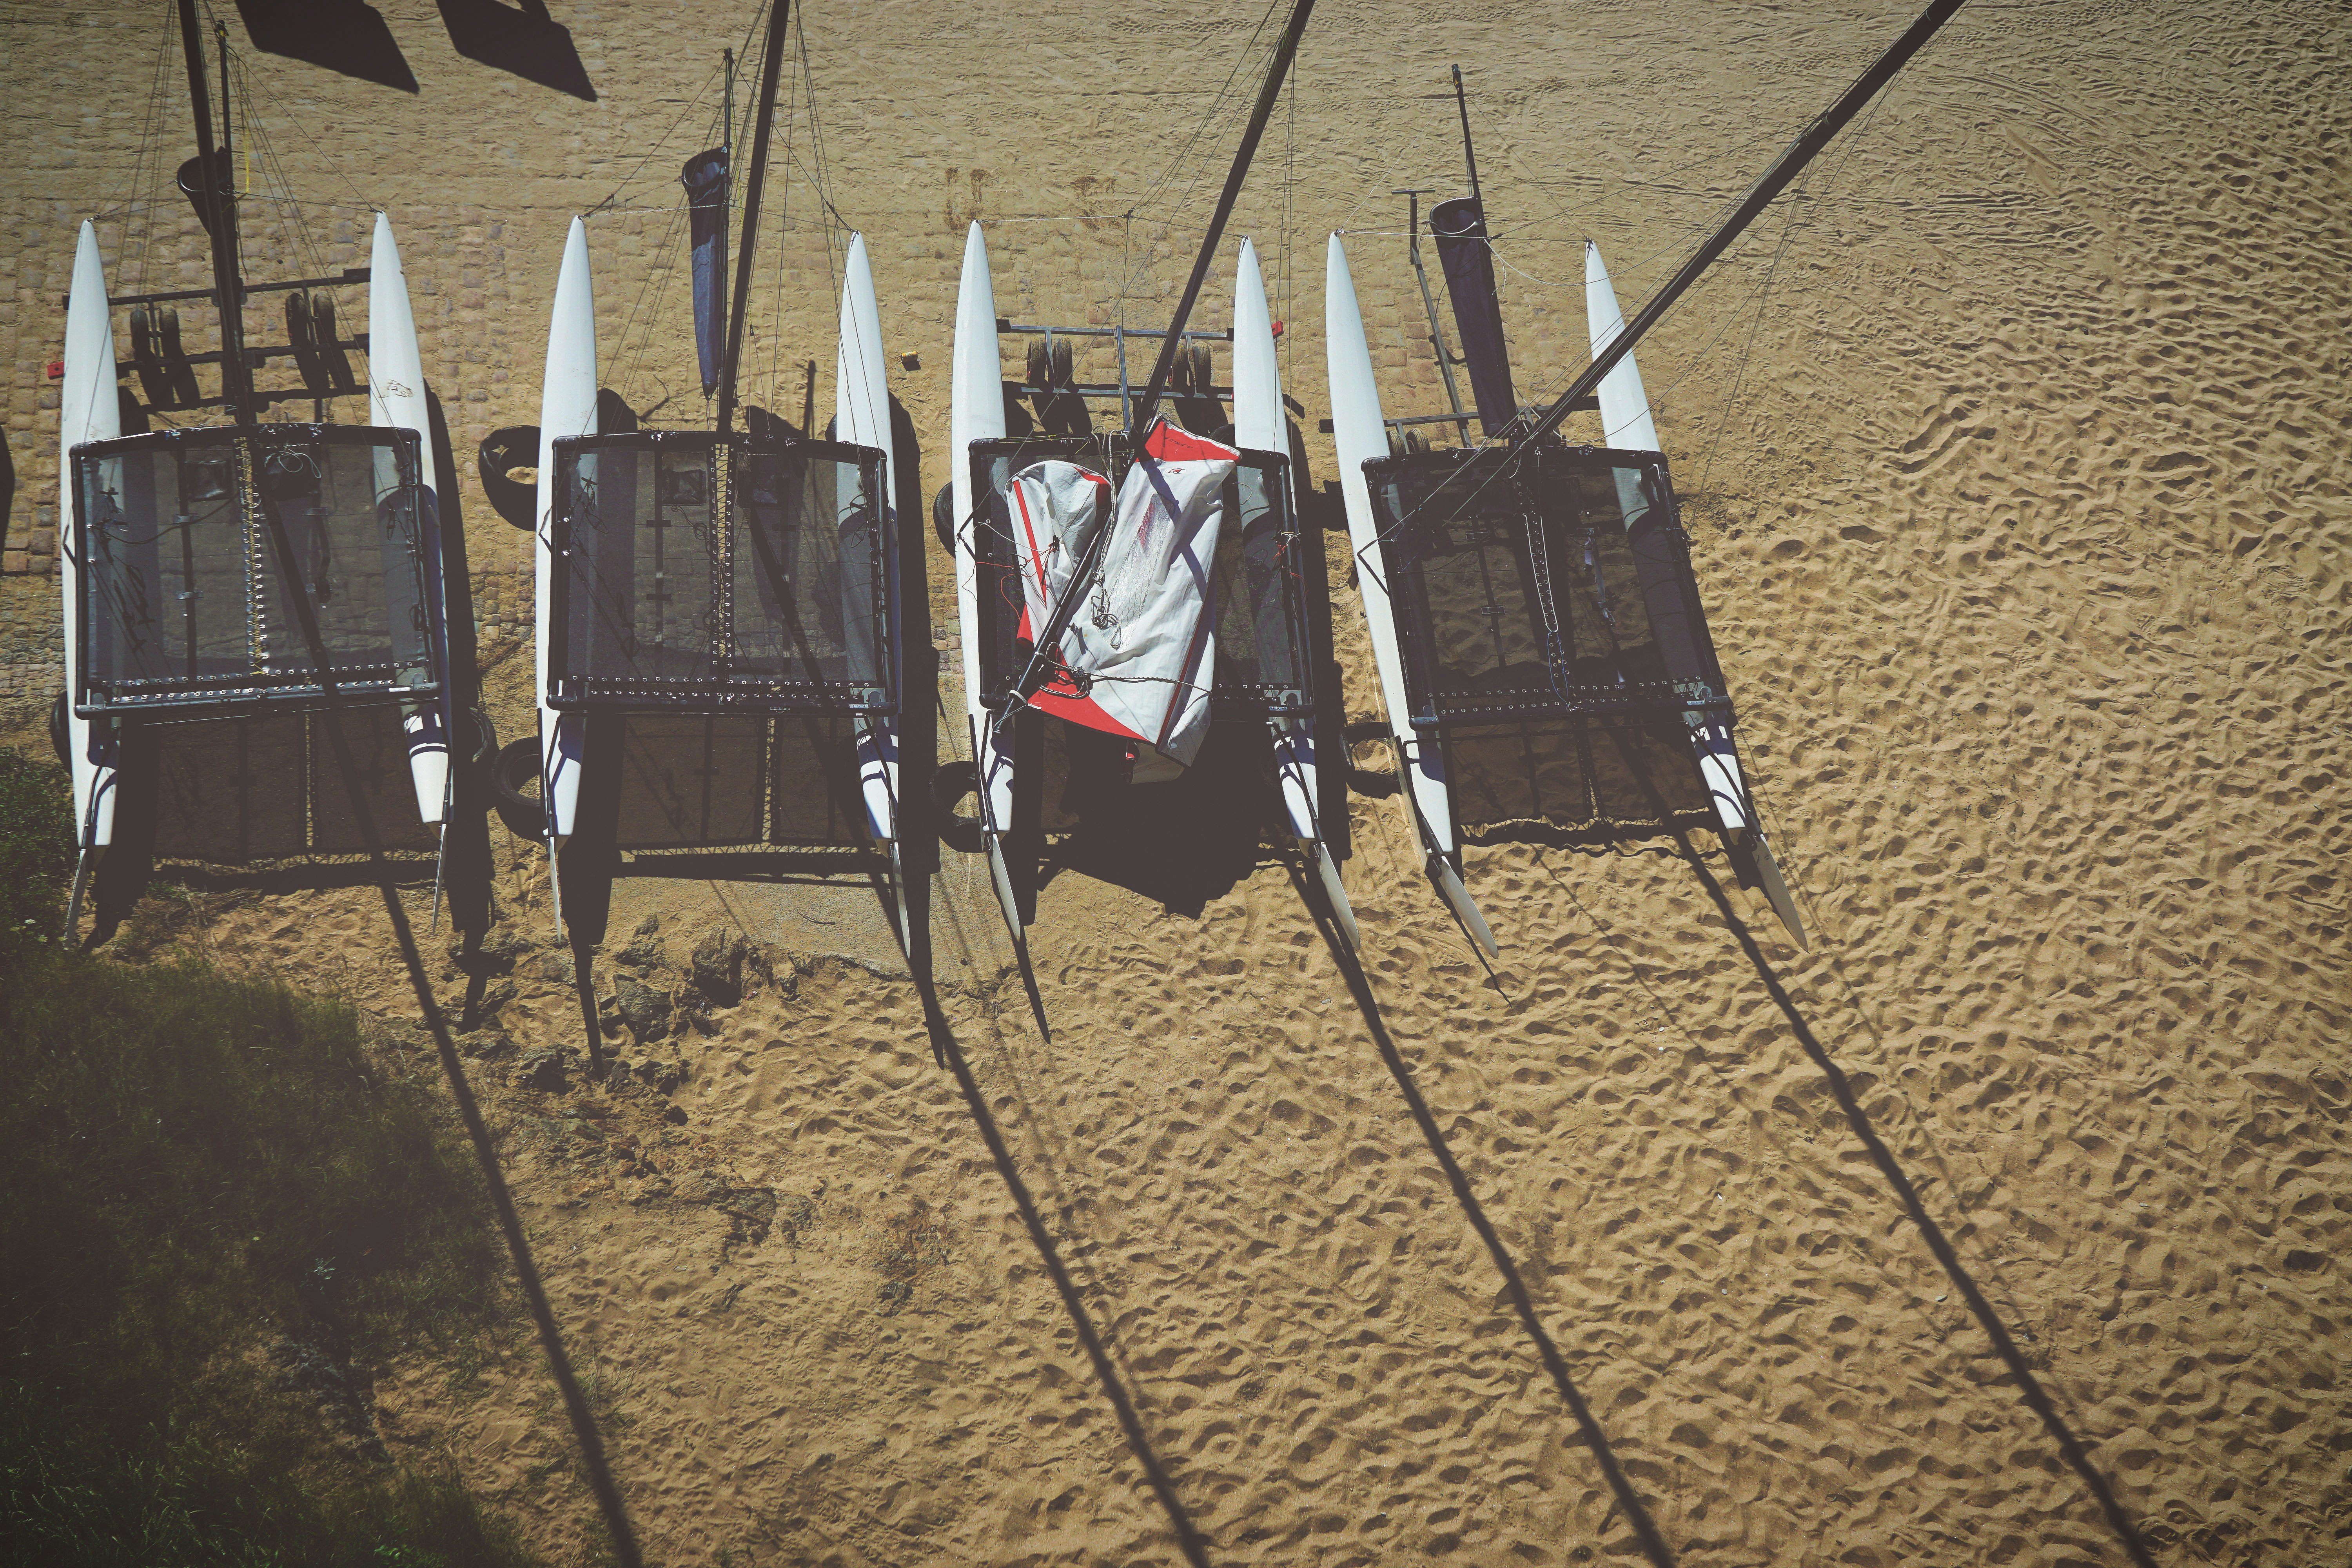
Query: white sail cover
[(1139, 654)]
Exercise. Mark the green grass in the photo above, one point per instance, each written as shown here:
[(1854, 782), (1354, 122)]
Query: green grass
[(198, 1169)]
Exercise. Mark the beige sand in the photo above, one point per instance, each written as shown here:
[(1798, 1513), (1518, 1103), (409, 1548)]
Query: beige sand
[(2023, 539)]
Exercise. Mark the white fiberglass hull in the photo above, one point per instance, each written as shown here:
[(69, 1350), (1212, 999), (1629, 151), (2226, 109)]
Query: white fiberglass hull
[(567, 407), (1626, 422), (89, 410), (1358, 434), (1258, 422), (862, 418), (976, 413), (396, 401)]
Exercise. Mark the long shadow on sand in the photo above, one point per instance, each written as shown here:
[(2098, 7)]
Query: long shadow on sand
[(946, 1048), (1637, 1514), (551, 1337), (2036, 1398)]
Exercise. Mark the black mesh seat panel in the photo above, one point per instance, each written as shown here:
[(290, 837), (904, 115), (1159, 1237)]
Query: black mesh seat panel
[(701, 574), (227, 570)]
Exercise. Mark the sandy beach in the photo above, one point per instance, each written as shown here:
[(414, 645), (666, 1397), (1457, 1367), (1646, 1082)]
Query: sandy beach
[(2000, 1227)]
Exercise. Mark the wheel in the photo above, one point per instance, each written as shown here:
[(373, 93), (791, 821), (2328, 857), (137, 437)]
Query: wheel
[(1061, 369), (62, 730), (1204, 376), (516, 776), (503, 454), (1038, 364), (950, 784), (486, 740), (943, 516)]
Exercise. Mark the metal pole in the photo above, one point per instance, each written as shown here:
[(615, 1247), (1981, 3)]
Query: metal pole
[(726, 157), (1428, 303), (1174, 342), (762, 125), (229, 289), (1759, 196), (1042, 657), (1469, 156)]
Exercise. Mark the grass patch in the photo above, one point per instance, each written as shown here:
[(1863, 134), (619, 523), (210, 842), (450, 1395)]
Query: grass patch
[(221, 1219)]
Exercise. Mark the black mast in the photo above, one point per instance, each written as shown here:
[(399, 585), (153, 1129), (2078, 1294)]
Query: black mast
[(228, 289), (1169, 345), (1462, 102), (1043, 653), (765, 122), (1759, 196)]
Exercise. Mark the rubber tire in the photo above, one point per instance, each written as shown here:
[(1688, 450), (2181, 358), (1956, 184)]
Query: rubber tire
[(486, 741), (1063, 368), (950, 782), (524, 817), (511, 446), (1204, 376), (1036, 366), (60, 731), (943, 516)]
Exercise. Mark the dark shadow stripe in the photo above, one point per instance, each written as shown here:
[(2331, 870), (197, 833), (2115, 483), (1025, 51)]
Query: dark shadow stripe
[(946, 1048), (2035, 1396)]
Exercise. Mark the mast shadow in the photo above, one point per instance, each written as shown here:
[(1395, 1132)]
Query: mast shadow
[(946, 1048), (584, 1429), (1645, 1529), (342, 35), (527, 43), (2036, 1398)]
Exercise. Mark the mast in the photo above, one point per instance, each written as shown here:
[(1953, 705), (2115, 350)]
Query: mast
[(1147, 405), (727, 174), (1043, 652), (228, 289), (1786, 167), (763, 124), (1469, 153)]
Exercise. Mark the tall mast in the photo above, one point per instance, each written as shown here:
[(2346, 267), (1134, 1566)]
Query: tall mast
[(1170, 344), (764, 122), (1786, 167), (1045, 648), (727, 156), (1469, 153), (228, 289)]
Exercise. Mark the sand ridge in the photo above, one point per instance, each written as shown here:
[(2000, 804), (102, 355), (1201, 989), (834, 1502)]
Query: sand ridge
[(2019, 490)]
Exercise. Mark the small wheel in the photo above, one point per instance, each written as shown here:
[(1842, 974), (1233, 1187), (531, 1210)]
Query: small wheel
[(1180, 375), (62, 730), (1415, 443), (1204, 376), (486, 740), (950, 784), (1061, 369), (943, 516), (1038, 364), (516, 776)]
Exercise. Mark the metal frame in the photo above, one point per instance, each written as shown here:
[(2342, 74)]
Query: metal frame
[(1691, 682), (746, 693), (251, 691)]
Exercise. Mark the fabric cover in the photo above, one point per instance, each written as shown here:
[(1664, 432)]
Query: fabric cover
[(1139, 655), (705, 179)]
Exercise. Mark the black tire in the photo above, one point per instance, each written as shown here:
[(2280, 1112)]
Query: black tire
[(517, 765), (943, 516), (485, 737), (949, 783), (1205, 375), (61, 732), (1063, 368), (1036, 366), (502, 451)]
